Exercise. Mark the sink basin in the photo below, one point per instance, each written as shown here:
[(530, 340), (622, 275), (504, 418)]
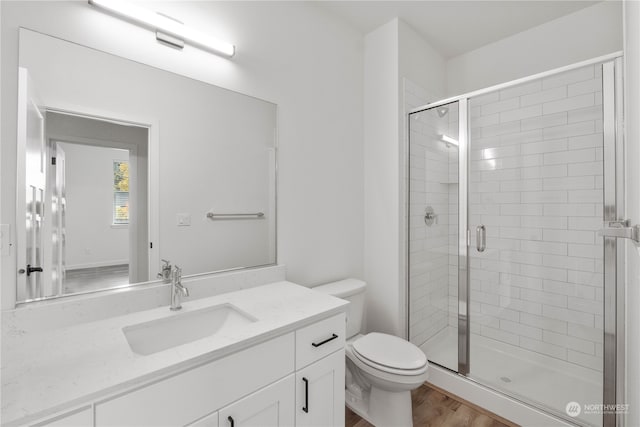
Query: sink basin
[(182, 328)]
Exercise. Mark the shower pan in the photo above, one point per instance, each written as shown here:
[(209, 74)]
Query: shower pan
[(516, 194)]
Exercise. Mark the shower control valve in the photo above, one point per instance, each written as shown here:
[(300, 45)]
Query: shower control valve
[(430, 216)]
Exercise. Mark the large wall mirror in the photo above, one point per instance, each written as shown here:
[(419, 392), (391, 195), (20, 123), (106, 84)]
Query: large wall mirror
[(122, 165)]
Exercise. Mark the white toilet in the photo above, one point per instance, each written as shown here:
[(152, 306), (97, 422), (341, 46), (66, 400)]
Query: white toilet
[(381, 369)]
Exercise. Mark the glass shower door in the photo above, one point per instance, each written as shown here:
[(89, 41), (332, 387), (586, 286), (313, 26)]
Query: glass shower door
[(434, 232), (536, 197)]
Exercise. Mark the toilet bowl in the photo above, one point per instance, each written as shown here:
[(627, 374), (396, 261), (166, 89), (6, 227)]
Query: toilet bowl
[(387, 384), (381, 369), (388, 360)]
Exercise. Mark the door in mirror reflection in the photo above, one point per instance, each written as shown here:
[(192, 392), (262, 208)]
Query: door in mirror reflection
[(30, 202)]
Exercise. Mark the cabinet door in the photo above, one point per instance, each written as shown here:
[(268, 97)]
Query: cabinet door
[(188, 396), (271, 406), (320, 392)]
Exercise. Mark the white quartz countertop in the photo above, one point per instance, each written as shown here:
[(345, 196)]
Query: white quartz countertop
[(47, 372)]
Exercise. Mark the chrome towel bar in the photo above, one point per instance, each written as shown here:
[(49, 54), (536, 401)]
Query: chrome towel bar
[(212, 215)]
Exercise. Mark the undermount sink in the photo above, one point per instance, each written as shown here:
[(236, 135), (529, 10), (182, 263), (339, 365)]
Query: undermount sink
[(182, 328)]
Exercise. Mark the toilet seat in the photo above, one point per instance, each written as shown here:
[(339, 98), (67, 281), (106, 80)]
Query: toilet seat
[(390, 354)]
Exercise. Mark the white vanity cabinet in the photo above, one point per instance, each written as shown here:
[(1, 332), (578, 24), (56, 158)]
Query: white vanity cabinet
[(293, 379), (188, 396), (320, 366)]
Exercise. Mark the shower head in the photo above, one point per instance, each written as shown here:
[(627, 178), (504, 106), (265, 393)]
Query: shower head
[(442, 111)]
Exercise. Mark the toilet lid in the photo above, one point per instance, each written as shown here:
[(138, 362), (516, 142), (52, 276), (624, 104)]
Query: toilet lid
[(391, 351)]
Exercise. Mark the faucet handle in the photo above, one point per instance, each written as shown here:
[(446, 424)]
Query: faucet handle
[(165, 271), (177, 271)]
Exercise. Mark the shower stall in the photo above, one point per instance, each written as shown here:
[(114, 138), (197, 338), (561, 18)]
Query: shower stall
[(514, 196)]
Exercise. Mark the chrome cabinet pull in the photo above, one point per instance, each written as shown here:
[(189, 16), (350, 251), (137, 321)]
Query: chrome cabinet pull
[(318, 344), (481, 238)]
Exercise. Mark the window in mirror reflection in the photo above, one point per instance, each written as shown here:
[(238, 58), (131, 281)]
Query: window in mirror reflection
[(120, 192)]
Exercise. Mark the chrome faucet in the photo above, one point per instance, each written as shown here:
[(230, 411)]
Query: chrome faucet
[(165, 272), (177, 290)]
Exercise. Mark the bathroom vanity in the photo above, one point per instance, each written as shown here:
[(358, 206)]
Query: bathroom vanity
[(276, 357)]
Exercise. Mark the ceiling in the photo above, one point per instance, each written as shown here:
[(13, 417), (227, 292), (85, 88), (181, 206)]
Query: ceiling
[(454, 27)]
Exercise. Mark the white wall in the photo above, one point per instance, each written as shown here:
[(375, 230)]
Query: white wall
[(420, 63), (394, 56), (91, 240), (381, 172), (586, 34), (293, 54)]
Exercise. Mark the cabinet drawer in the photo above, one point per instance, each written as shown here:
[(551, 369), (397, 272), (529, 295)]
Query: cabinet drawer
[(186, 397), (319, 340)]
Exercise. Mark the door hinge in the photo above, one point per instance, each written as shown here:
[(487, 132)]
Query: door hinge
[(53, 161), (623, 229)]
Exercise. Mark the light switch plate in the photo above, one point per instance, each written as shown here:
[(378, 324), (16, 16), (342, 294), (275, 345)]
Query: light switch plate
[(183, 219), (5, 239)]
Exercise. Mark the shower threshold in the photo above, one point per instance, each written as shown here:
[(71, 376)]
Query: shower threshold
[(521, 373)]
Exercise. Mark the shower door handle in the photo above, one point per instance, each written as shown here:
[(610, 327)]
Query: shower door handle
[(481, 238)]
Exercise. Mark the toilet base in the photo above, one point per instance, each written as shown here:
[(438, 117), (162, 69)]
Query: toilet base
[(382, 408), (358, 404), (390, 408)]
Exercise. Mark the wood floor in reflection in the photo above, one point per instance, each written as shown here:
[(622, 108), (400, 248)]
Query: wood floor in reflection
[(435, 408), (91, 279)]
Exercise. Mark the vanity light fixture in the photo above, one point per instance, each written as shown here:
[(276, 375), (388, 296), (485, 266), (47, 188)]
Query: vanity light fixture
[(448, 140), (167, 29)]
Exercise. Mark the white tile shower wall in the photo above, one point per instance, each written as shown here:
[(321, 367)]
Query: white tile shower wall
[(536, 184), (432, 174)]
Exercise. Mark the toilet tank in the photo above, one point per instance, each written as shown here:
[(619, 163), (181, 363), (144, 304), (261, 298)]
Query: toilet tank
[(351, 290)]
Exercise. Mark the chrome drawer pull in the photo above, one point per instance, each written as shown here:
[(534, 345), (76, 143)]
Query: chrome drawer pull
[(318, 344)]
